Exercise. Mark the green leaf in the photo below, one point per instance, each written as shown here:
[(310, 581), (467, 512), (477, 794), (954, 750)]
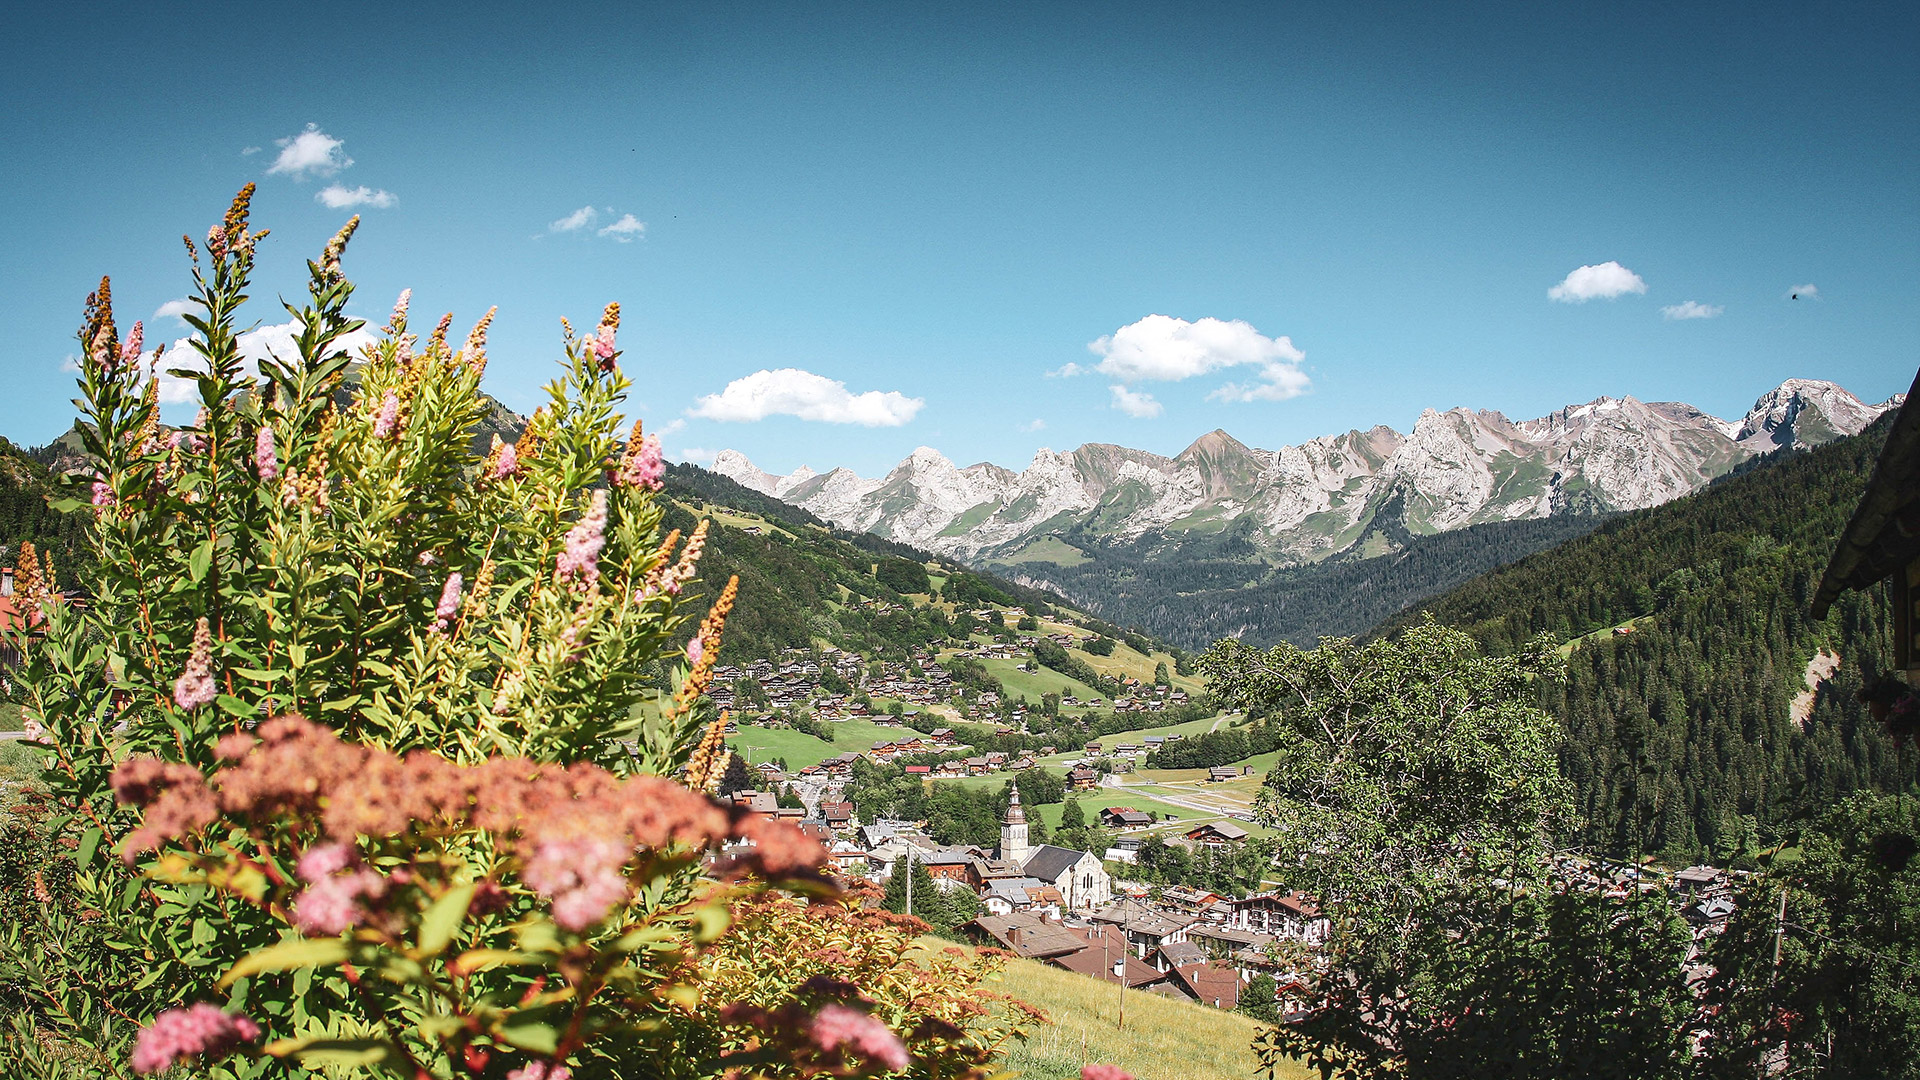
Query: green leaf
[(535, 1037), (89, 843), (443, 918), (325, 1051), (293, 953), (201, 561), (233, 706)]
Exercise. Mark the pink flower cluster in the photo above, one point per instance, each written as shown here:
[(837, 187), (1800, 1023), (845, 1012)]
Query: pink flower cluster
[(643, 466), (195, 686), (581, 559), (130, 349), (102, 494), (838, 1027), (449, 603), (581, 875), (398, 320), (200, 1030), (336, 883), (603, 337), (507, 464), (266, 458), (541, 1070), (1104, 1072), (387, 423)]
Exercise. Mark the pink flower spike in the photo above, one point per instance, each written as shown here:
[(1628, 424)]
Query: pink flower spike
[(603, 346), (645, 466), (581, 559), (1104, 1072), (195, 686), (200, 1030), (102, 494), (508, 464), (323, 861), (388, 422), (449, 598), (838, 1026), (399, 317), (130, 348), (695, 650), (540, 1070), (266, 459)]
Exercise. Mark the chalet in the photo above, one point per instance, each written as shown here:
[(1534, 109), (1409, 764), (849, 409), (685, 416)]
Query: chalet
[(1025, 935), (919, 770), (1145, 928), (1125, 817), (1125, 849), (1882, 541), (760, 802), (1212, 984), (1188, 901), (1698, 880), (1103, 952), (1174, 954), (838, 815), (1217, 834), (1220, 773), (1083, 779), (1287, 914), (1003, 896)]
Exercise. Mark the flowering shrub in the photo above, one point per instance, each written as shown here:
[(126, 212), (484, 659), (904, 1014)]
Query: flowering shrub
[(374, 750)]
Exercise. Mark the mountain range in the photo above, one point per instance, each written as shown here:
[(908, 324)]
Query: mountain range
[(1306, 502), (1137, 536)]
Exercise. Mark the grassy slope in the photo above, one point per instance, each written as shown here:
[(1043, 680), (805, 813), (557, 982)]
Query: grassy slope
[(802, 750), (1162, 1040)]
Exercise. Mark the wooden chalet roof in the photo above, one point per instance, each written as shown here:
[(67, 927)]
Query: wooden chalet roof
[(1884, 534)]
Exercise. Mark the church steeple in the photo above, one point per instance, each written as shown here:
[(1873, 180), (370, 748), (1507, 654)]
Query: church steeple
[(1013, 833)]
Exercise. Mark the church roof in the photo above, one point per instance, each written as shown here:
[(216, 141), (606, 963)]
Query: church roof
[(1048, 862)]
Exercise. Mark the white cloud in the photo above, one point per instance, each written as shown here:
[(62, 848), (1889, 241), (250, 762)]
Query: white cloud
[(697, 455), (793, 392), (672, 426), (339, 197), (249, 151), (1134, 404), (276, 339), (579, 219), (1034, 425), (626, 230), (1163, 348), (173, 309), (1804, 292), (1691, 310), (311, 153), (1602, 281)]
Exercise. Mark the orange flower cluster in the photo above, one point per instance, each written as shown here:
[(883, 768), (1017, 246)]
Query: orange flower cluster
[(299, 772), (704, 650)]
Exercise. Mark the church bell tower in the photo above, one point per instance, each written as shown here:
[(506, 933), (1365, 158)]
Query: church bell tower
[(1013, 833)]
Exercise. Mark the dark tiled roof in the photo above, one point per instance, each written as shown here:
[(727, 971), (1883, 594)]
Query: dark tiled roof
[(1048, 862)]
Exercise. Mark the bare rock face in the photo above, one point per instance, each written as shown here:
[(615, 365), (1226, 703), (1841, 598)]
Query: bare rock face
[(1454, 469)]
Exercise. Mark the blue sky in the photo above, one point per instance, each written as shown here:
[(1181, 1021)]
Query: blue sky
[(941, 207)]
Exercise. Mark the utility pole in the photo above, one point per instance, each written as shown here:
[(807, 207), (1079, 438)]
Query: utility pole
[(1779, 936), (1120, 972), (910, 879)]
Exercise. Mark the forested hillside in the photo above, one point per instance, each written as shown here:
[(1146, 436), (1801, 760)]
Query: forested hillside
[(1680, 731), (1197, 591), (25, 516)]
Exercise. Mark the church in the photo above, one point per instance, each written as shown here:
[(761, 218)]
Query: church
[(1083, 882)]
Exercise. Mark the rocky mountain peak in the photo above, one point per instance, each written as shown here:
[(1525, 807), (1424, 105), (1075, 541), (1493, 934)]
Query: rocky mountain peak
[(1455, 468)]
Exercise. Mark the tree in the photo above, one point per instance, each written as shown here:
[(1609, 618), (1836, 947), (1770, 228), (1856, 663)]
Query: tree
[(903, 576), (739, 776), (1534, 984), (1160, 676), (1098, 646), (1394, 757), (1027, 624), (1839, 1002), (789, 799)]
